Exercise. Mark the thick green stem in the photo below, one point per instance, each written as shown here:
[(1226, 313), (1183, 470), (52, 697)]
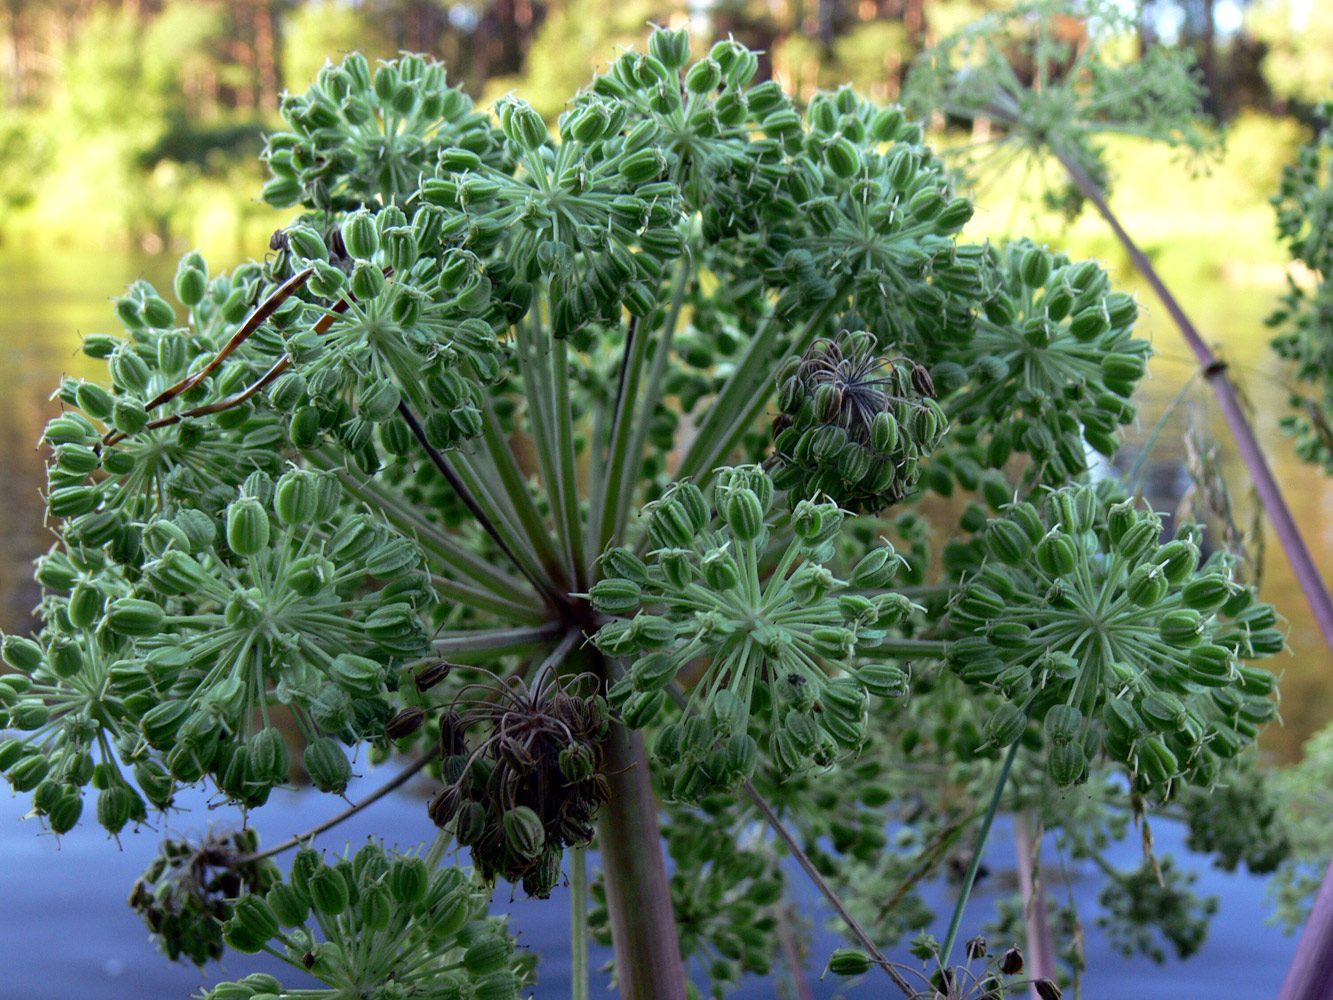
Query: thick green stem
[(970, 878), (578, 922), (638, 894)]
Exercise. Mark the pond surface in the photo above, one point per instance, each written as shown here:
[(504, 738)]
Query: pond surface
[(66, 930)]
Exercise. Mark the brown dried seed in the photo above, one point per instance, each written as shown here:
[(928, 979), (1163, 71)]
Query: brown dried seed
[(922, 382), (405, 723), (1012, 963)]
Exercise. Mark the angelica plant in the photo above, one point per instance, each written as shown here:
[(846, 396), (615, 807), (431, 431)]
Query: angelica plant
[(531, 445)]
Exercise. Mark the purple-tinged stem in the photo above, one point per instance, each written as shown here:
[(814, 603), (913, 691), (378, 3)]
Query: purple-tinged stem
[(1039, 954), (638, 895)]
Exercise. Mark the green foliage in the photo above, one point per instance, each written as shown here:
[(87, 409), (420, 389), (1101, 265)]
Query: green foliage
[(1156, 900), (1304, 204)]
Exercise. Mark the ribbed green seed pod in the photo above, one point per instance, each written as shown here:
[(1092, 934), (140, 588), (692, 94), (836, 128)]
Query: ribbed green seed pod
[(328, 891), (408, 880), (523, 831), (289, 907), (849, 962), (1066, 763), (490, 955), (296, 498), (327, 764), (1005, 725), (131, 616), (1062, 723), (247, 526)]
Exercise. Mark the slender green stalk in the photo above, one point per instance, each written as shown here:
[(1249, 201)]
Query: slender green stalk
[(925, 649), (578, 922), (502, 517), (397, 781), (438, 847), (825, 890), (608, 487), (436, 542), (971, 877), (652, 394), (568, 521), (739, 402), (494, 642), (450, 474), (534, 365), (475, 597), (516, 486)]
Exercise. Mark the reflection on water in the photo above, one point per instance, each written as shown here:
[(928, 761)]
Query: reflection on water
[(77, 898)]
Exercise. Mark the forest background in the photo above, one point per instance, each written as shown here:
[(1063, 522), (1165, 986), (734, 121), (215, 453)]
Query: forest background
[(138, 122)]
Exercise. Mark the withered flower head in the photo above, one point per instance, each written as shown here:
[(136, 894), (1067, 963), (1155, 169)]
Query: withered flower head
[(531, 783), (187, 892)]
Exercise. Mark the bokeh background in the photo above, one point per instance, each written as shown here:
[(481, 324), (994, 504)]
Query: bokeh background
[(129, 133)]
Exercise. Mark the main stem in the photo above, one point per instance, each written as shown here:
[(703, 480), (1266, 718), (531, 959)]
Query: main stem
[(638, 895), (1040, 951), (1214, 370)]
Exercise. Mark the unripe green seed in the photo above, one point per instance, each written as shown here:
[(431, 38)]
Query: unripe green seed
[(328, 891), (849, 962), (487, 956), (327, 764), (247, 526), (1066, 763), (131, 616), (1005, 725)]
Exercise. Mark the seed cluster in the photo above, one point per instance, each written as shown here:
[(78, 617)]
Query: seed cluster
[(186, 894), (1112, 641), (781, 650), (172, 659), (852, 426), (1053, 364), (532, 784), (376, 925)]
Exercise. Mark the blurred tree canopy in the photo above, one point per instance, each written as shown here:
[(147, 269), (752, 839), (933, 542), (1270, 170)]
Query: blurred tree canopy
[(139, 119)]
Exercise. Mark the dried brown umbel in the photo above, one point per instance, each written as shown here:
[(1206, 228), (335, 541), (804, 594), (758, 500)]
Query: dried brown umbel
[(530, 784), (187, 892)]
